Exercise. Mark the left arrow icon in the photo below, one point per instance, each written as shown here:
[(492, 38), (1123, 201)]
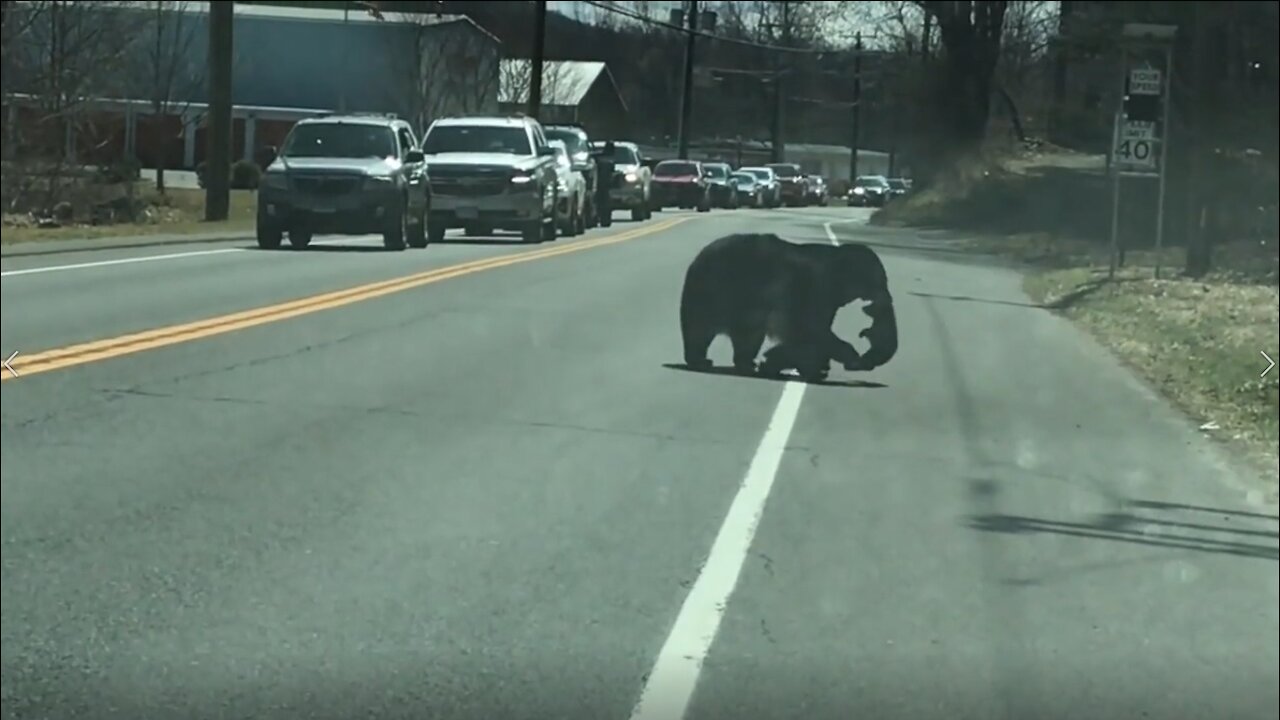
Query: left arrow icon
[(8, 363), (1270, 364)]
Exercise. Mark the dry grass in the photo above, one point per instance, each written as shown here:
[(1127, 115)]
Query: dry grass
[(179, 211), (1242, 262), (1198, 342), (1014, 193)]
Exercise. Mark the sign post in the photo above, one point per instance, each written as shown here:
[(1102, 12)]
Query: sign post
[(1115, 194), (1164, 153), (1140, 140)]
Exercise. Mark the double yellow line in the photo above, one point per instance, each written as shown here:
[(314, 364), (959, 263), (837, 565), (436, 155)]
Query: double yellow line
[(84, 353)]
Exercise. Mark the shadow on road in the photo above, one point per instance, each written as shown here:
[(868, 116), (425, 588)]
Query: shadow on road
[(322, 248), (346, 249), (1082, 292), (1061, 303), (729, 371), (513, 240), (966, 298), (1154, 530), (1152, 504)]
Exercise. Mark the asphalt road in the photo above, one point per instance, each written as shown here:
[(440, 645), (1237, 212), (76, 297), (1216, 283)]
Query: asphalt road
[(488, 495)]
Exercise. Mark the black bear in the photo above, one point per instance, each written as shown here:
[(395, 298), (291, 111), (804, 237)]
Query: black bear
[(753, 286)]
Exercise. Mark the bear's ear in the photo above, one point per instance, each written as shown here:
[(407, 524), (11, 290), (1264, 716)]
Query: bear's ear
[(862, 266)]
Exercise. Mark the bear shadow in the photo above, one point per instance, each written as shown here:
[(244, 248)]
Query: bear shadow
[(729, 371)]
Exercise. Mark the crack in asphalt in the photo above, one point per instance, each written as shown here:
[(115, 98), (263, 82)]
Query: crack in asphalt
[(405, 412)]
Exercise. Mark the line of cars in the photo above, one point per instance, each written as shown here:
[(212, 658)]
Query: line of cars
[(705, 185), (876, 190), (356, 174)]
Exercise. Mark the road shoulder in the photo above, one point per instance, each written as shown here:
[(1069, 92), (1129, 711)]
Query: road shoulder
[(1198, 342)]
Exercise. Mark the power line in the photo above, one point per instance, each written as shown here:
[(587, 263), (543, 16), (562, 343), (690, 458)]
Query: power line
[(701, 33)]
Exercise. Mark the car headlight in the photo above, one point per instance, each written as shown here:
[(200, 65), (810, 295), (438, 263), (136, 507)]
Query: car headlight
[(859, 191), (378, 181), (275, 181), (521, 179), (631, 177)]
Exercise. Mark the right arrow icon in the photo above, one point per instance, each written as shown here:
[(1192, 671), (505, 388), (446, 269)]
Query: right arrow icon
[(1270, 364)]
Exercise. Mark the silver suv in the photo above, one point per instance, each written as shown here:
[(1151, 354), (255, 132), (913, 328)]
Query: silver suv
[(345, 175), (491, 173), (629, 188)]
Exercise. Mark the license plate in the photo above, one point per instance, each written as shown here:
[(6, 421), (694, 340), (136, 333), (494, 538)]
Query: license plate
[(468, 213), (322, 207)]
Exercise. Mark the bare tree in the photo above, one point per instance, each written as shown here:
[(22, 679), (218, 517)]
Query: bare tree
[(16, 63), (779, 92), (516, 79), (452, 69), (600, 17), (804, 23), (1021, 75), (971, 34), (166, 64), (62, 56)]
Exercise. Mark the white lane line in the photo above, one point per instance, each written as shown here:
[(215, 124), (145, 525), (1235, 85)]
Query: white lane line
[(671, 683), (168, 256), (119, 261), (831, 234)]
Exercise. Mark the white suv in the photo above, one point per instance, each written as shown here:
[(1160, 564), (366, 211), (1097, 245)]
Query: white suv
[(491, 173)]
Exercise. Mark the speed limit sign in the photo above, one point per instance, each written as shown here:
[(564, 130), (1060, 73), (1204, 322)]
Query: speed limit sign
[(1136, 146)]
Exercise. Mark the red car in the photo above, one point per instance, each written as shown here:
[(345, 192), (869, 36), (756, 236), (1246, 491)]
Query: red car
[(795, 188), (680, 183)]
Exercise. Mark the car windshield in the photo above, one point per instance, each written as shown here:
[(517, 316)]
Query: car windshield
[(785, 171), (340, 140), (872, 181), (476, 139), (761, 174), (718, 172), (675, 169), (622, 154), (573, 140), (744, 178)]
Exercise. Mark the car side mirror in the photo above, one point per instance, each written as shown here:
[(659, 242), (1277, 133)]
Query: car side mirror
[(414, 156), (546, 152)]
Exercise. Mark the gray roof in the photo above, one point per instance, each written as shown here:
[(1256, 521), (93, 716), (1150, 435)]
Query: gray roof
[(564, 82), (323, 15)]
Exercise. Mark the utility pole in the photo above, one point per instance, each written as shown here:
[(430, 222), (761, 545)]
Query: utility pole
[(346, 57), (779, 145), (217, 195), (856, 130), (539, 55), (686, 97)]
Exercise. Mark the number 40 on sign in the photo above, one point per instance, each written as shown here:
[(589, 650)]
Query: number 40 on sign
[(1136, 145)]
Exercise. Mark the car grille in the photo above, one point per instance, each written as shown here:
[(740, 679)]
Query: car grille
[(327, 186), (464, 181), (468, 186)]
